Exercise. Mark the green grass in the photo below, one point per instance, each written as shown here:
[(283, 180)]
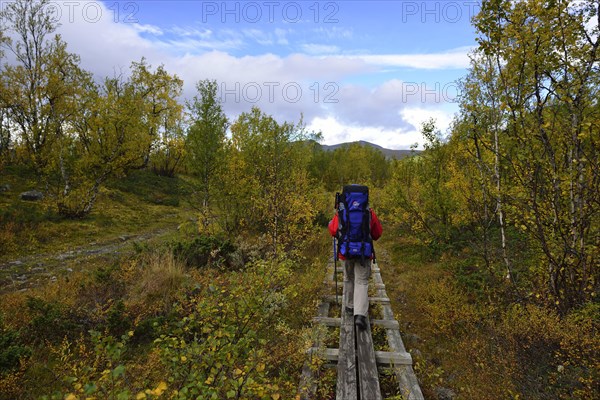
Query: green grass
[(141, 202)]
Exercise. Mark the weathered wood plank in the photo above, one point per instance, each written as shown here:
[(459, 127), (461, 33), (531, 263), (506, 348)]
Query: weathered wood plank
[(346, 388), (391, 358), (386, 324), (382, 358), (330, 321), (340, 282), (375, 300), (379, 300), (367, 365)]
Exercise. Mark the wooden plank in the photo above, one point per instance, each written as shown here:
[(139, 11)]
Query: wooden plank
[(379, 300), (330, 321), (332, 284), (328, 353), (346, 388), (386, 323), (382, 358), (391, 358), (367, 365), (376, 300)]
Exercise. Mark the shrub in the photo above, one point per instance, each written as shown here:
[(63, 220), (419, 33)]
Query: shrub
[(204, 251), (49, 320), (11, 349)]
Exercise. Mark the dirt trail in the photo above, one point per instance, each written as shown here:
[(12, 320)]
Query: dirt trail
[(32, 270)]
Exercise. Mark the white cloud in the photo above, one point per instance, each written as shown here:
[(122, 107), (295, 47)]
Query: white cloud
[(316, 49), (259, 36), (192, 32), (381, 114), (335, 132), (453, 59), (334, 32), (281, 35), (416, 116), (151, 29)]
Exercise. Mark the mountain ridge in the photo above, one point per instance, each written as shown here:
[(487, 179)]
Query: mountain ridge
[(397, 154)]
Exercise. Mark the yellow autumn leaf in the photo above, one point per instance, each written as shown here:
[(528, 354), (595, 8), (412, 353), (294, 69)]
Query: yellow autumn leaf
[(140, 396), (275, 396), (162, 386), (71, 396)]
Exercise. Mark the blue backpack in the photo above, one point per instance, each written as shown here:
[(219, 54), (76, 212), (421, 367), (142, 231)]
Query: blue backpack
[(354, 223)]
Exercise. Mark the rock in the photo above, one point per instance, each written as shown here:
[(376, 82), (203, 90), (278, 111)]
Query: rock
[(22, 278), (4, 188), (416, 353), (69, 269), (443, 393), (412, 338), (37, 270), (32, 195)]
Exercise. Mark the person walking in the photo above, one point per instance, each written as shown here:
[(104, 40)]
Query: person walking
[(356, 226)]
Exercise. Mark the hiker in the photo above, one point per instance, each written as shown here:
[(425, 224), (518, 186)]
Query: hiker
[(358, 228)]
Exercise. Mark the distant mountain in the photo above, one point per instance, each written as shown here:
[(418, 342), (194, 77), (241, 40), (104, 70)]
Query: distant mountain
[(397, 154)]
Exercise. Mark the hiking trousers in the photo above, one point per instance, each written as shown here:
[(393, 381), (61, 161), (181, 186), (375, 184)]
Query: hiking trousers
[(356, 281)]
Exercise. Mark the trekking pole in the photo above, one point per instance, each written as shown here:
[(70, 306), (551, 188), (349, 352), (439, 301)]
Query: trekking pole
[(335, 257), (374, 256), (335, 270)]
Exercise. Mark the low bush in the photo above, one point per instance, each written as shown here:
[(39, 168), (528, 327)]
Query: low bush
[(205, 251)]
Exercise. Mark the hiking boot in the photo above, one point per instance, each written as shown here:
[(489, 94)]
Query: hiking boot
[(361, 322), (349, 310)]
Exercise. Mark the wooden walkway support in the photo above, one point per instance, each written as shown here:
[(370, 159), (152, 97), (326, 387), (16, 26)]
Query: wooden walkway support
[(355, 359)]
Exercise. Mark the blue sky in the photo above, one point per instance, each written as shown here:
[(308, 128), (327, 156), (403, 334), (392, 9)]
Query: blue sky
[(356, 70)]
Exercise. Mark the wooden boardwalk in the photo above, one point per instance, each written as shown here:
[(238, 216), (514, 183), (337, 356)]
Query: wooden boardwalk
[(356, 360)]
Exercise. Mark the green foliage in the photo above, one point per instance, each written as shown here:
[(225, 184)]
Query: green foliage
[(351, 163), (268, 188), (117, 321), (149, 187), (12, 350), (49, 321), (205, 144), (205, 251), (417, 195)]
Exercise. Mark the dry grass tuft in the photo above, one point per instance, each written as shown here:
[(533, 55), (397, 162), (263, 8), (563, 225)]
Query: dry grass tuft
[(160, 280)]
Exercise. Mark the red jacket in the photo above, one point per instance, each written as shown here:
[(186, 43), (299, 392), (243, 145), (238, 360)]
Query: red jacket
[(376, 229)]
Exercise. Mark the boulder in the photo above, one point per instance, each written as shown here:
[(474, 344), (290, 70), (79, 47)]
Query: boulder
[(444, 393), (32, 195)]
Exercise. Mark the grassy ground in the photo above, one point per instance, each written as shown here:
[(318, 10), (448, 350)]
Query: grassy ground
[(141, 202), (37, 245), (125, 309), (474, 342)]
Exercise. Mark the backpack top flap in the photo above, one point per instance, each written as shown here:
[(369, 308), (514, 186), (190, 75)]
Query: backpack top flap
[(356, 214), (356, 189)]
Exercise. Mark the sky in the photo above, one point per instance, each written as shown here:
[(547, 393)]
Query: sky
[(353, 70)]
